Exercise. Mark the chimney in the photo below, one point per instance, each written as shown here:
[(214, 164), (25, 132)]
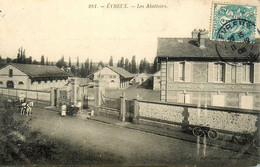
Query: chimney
[(203, 35), (195, 34)]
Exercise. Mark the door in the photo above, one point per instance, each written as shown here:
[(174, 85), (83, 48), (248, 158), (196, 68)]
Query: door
[(10, 84)]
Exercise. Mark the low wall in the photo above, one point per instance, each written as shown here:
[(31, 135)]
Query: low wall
[(221, 118)]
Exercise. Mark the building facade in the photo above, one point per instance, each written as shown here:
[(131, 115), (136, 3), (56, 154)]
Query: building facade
[(32, 77), (113, 77), (195, 70)]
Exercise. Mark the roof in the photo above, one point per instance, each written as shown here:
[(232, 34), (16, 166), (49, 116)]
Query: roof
[(188, 48), (122, 72), (37, 71), (85, 81)]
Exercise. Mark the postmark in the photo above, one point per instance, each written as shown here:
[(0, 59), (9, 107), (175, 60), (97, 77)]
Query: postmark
[(233, 22), (234, 53)]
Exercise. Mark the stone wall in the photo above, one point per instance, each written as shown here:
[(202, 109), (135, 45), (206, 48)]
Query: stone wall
[(220, 118)]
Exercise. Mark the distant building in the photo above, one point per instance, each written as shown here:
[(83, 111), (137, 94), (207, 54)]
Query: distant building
[(32, 77), (156, 80), (113, 77), (140, 78), (193, 72)]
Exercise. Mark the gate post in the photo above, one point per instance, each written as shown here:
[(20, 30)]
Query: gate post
[(74, 91), (52, 96), (122, 107), (136, 110), (98, 99)]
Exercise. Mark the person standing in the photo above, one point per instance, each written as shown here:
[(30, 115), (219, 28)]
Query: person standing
[(63, 110)]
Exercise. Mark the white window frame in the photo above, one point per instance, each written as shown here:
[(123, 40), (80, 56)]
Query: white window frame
[(223, 72), (245, 71), (181, 71)]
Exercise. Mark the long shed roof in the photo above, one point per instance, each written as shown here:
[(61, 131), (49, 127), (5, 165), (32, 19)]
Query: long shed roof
[(37, 71)]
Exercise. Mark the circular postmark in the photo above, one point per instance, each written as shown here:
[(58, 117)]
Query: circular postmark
[(237, 30), (237, 42), (232, 53)]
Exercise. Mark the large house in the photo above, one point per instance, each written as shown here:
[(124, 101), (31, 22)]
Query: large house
[(206, 72), (113, 77), (32, 77)]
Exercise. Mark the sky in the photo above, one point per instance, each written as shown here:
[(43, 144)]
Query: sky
[(69, 28)]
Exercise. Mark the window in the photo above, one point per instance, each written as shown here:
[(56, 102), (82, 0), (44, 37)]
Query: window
[(10, 73), (246, 73), (158, 77), (1, 82), (239, 73), (181, 71), (21, 83), (219, 72)]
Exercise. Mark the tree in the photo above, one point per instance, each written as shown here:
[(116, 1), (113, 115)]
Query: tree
[(126, 64), (101, 65), (8, 60), (83, 72), (111, 61), (91, 69), (35, 62), (87, 69), (47, 63), (28, 60), (155, 65), (141, 66), (69, 62), (42, 60), (122, 62), (134, 70), (118, 64), (61, 63), (21, 58), (78, 61)]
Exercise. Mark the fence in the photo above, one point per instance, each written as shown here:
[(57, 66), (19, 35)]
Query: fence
[(227, 120), (110, 106), (34, 95)]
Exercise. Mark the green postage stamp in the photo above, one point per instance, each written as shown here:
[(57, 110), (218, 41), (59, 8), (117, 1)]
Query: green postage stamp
[(233, 22)]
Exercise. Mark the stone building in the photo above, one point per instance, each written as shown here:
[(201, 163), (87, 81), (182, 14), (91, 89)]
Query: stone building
[(113, 77), (204, 72), (32, 77)]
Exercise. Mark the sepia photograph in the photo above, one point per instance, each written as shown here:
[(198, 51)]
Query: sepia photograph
[(130, 83)]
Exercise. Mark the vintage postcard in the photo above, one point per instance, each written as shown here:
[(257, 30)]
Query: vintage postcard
[(129, 83)]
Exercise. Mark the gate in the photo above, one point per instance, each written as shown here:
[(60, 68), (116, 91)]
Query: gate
[(110, 106)]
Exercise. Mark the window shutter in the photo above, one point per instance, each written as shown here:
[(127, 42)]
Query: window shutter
[(187, 71), (170, 72), (210, 72), (256, 72), (238, 73), (176, 71), (227, 73)]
